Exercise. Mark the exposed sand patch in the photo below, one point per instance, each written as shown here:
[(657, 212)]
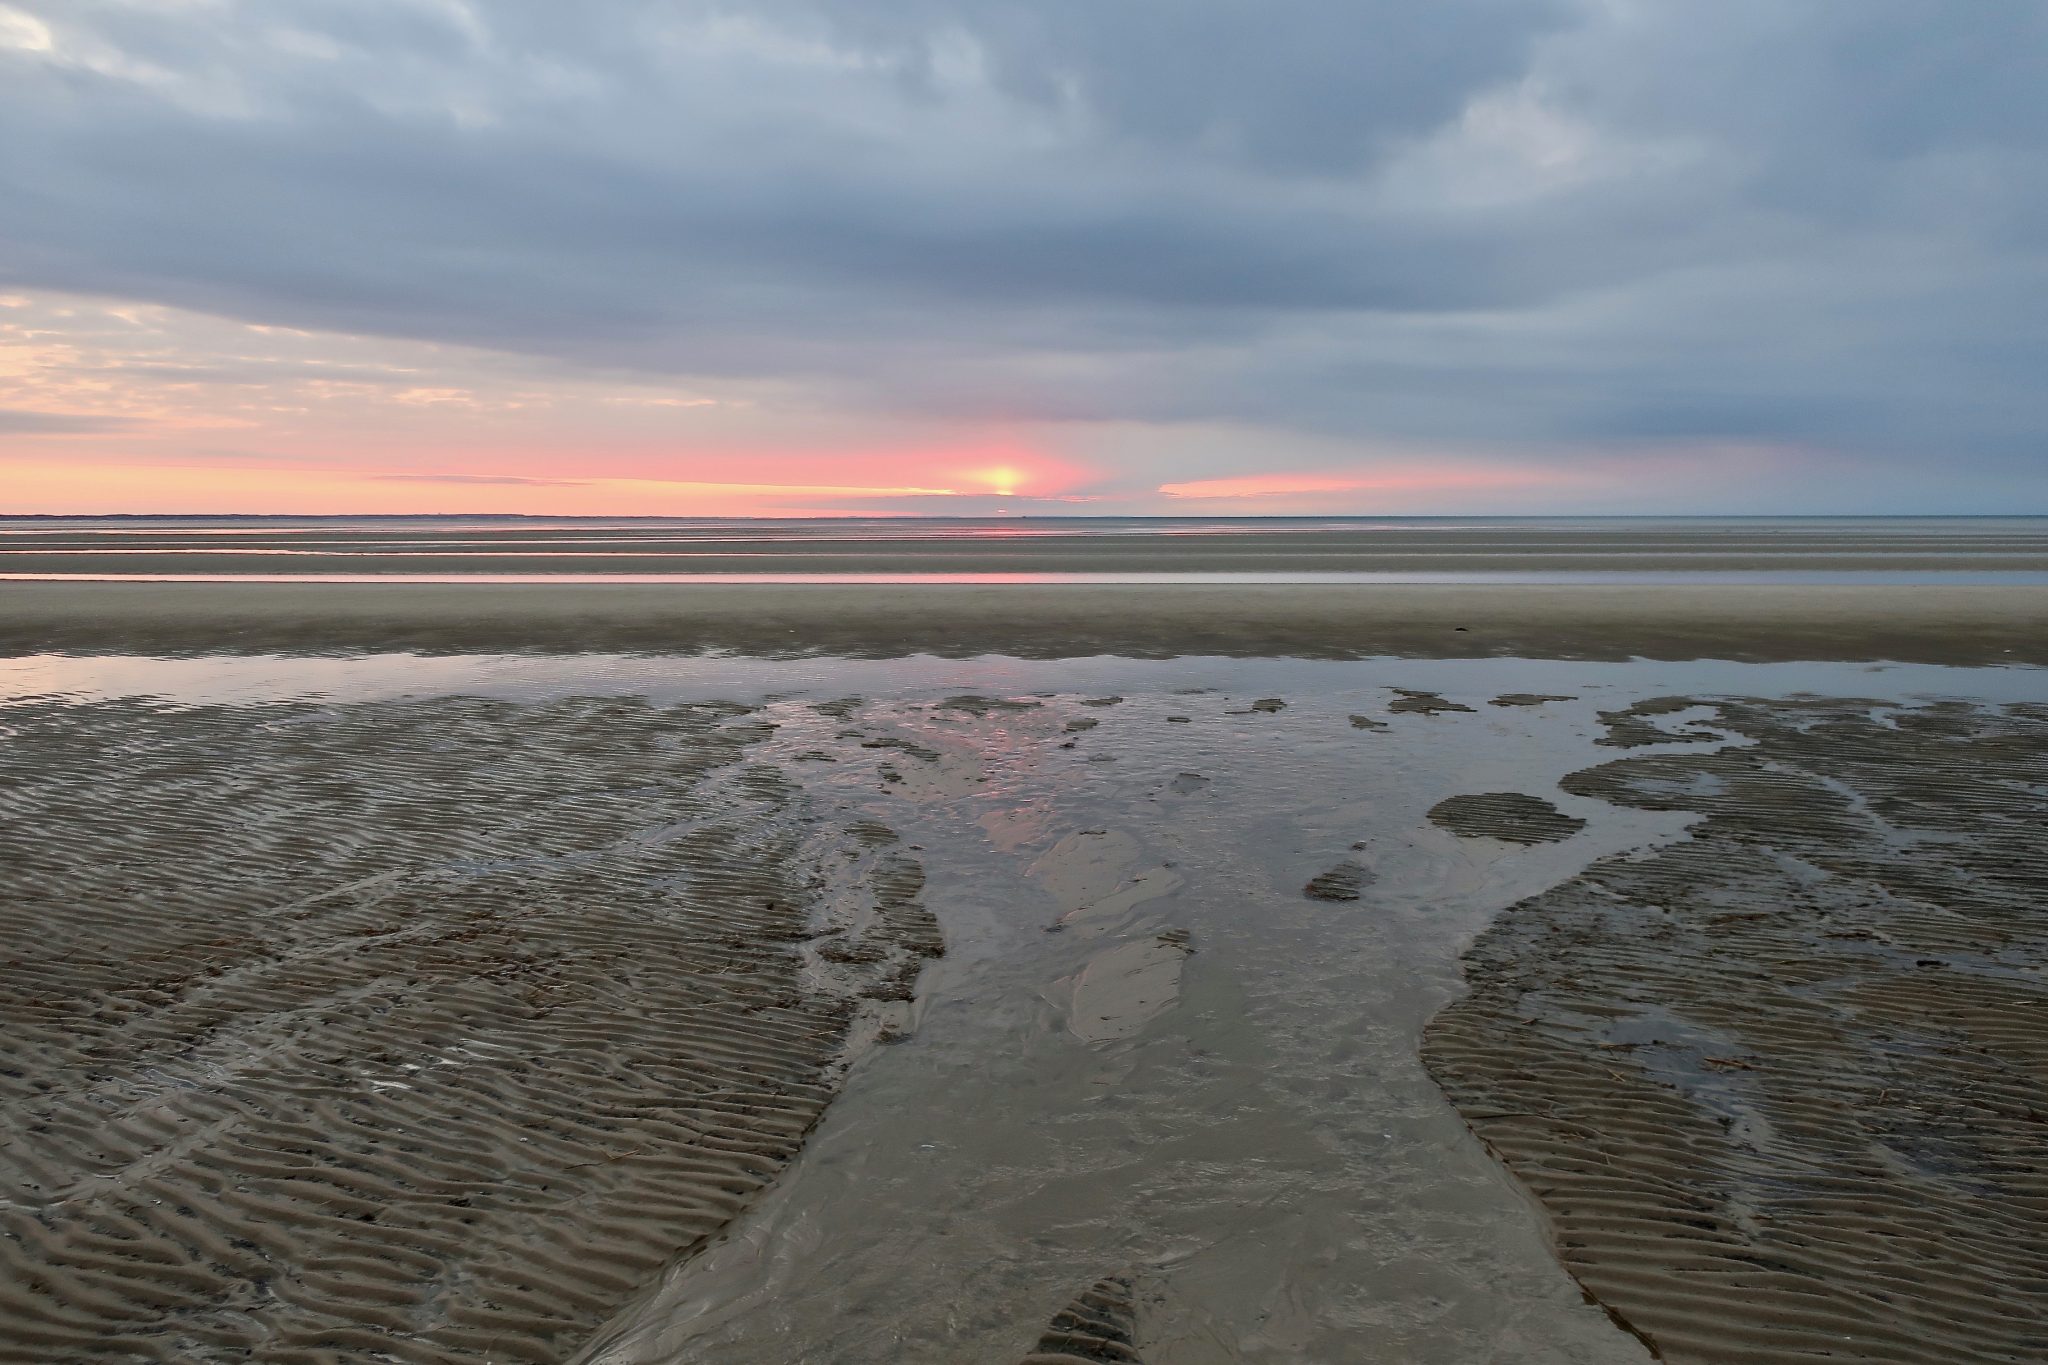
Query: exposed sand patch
[(1122, 990), (1782, 1087), (1344, 882), (1527, 698), (984, 706), (415, 1031), (1514, 817), (1409, 701), (1655, 720), (1100, 1325), (943, 768), (1098, 877), (911, 747)]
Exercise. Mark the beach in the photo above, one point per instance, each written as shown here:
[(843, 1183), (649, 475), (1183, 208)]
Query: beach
[(940, 683), (1189, 971), (1062, 545), (1935, 623)]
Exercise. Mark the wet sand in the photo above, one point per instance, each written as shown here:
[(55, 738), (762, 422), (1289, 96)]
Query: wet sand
[(1783, 1088), (1933, 624), (420, 1031), (1022, 545), (1155, 1058), (457, 1028)]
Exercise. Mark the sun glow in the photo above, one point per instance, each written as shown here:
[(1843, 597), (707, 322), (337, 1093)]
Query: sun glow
[(1003, 480), (46, 485)]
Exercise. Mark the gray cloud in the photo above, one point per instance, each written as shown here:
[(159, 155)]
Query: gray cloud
[(1552, 222), (28, 422), (1313, 85), (258, 372)]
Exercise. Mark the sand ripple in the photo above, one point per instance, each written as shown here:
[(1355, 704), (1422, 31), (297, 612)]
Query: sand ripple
[(1100, 1325), (1514, 817), (416, 1031), (1783, 1088)]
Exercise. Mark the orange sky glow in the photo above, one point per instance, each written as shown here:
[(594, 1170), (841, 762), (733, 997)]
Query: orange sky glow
[(112, 406)]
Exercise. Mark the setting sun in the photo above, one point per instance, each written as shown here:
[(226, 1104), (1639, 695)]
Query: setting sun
[(1003, 480)]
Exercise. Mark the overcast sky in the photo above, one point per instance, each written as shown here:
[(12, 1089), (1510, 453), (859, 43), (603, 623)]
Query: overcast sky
[(947, 256)]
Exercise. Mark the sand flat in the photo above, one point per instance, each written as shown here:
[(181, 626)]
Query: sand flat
[(1018, 545), (1978, 624), (1783, 1088), (386, 946), (420, 1031)]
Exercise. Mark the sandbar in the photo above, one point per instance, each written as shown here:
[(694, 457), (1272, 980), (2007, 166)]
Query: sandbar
[(1951, 624)]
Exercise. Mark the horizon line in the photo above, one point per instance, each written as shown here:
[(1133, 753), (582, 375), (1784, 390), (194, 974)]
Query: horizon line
[(1029, 516)]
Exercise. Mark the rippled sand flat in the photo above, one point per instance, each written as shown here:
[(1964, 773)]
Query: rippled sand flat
[(419, 1031), (519, 1008), (1783, 1088)]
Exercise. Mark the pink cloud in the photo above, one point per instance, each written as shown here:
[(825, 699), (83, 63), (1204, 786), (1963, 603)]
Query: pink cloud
[(1414, 479)]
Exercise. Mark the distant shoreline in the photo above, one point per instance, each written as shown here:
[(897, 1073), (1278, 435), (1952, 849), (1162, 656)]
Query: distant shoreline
[(1934, 624)]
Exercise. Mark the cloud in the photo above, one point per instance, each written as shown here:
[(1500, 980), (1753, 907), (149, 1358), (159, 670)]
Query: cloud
[(27, 422), (254, 373), (1259, 486), (1314, 85), (507, 480), (1432, 477), (1532, 225)]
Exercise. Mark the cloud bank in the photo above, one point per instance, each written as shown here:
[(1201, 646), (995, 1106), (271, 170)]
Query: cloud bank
[(1174, 241)]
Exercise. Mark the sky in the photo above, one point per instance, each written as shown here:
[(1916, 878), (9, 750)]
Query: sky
[(1065, 257)]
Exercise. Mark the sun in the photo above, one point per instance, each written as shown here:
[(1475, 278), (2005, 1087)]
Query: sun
[(1003, 481)]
